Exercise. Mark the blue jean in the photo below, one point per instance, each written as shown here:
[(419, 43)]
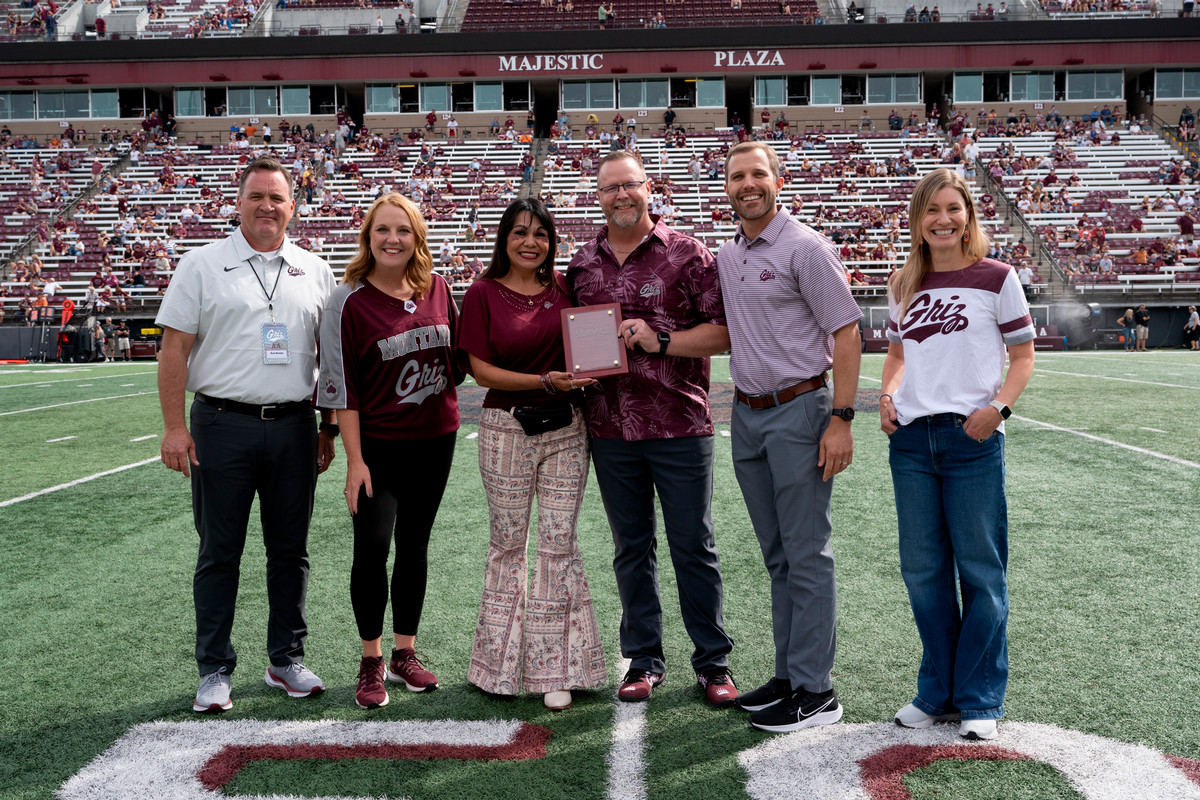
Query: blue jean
[(954, 525)]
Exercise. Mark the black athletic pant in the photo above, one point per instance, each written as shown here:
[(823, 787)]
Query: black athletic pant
[(240, 456), (408, 478)]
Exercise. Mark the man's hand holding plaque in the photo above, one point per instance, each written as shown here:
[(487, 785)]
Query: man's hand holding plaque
[(593, 342)]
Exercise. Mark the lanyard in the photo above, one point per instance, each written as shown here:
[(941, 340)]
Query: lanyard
[(271, 295)]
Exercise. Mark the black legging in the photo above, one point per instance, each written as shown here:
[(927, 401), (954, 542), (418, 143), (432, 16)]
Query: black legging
[(408, 478)]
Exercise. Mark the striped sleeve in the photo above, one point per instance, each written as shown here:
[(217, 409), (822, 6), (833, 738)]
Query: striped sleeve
[(1012, 314)]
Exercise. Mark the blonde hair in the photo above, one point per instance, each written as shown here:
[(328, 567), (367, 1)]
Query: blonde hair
[(420, 266), (905, 281)]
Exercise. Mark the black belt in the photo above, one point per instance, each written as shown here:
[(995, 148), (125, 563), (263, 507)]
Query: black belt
[(760, 401), (268, 412)]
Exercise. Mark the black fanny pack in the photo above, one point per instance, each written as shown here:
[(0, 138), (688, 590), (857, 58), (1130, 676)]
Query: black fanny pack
[(539, 419)]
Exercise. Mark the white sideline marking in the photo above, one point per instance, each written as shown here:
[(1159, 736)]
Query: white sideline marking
[(73, 403), (124, 385), (1156, 430), (1112, 378), (144, 438), (82, 385), (627, 756), (726, 433), (61, 439), (41, 492), (40, 384), (1142, 450), (473, 435)]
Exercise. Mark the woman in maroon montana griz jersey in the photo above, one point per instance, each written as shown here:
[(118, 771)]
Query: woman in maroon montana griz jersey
[(387, 366)]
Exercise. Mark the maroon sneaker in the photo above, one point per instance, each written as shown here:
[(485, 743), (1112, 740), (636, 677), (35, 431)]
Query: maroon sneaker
[(639, 684), (719, 688), (371, 692), (408, 667)]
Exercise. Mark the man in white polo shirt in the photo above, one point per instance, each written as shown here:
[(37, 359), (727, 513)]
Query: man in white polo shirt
[(240, 322), (791, 318)]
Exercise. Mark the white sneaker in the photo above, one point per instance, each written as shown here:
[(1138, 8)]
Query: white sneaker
[(558, 701), (977, 729), (295, 679), (912, 717), (213, 694)]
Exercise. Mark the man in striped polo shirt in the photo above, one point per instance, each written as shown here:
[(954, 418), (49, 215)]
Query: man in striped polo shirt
[(791, 318)]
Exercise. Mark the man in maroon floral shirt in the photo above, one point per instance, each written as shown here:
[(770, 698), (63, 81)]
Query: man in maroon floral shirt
[(650, 430)]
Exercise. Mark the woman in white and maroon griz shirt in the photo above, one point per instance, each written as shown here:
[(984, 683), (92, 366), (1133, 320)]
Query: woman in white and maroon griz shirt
[(539, 635), (951, 315), (387, 365)]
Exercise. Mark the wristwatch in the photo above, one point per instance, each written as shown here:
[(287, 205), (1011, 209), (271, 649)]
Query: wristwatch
[(846, 413), (1005, 411), (329, 427), (664, 339)]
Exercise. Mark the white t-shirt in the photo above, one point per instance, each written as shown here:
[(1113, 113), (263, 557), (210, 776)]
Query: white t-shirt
[(216, 296), (957, 326)]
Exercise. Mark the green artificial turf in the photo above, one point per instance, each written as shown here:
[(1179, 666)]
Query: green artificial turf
[(96, 615)]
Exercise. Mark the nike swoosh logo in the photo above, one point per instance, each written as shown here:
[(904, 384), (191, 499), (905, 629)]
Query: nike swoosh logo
[(230, 269)]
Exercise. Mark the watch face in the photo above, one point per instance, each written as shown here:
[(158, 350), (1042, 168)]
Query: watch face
[(845, 413)]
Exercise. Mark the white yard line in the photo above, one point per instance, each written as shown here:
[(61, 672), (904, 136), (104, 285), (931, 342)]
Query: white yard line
[(1042, 354), (61, 439), (627, 756), (1112, 378), (1141, 450), (144, 438), (68, 485), (72, 380), (1155, 430), (73, 403)]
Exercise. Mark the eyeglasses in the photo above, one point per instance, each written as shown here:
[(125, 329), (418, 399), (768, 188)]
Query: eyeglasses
[(609, 191)]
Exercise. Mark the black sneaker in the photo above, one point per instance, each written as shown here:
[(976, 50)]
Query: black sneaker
[(803, 709), (766, 695)]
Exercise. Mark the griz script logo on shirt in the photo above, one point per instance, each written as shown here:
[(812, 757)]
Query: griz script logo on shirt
[(927, 316), (418, 381)]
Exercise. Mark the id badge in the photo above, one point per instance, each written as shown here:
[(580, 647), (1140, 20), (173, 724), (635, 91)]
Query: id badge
[(275, 343)]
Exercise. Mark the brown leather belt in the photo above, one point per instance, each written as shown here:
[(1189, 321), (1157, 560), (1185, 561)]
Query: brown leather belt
[(783, 395)]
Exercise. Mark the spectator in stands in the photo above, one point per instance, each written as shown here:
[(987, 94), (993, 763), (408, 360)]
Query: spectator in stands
[(1141, 318), (518, 356), (1025, 275), (389, 289), (948, 488)]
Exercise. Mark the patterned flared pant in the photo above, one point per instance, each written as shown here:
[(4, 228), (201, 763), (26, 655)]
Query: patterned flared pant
[(540, 634)]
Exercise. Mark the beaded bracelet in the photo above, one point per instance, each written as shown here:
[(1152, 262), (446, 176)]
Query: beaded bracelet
[(548, 384)]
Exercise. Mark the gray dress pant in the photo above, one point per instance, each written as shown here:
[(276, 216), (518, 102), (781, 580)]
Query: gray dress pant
[(775, 453)]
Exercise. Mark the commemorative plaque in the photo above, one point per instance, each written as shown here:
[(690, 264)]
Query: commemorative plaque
[(592, 342)]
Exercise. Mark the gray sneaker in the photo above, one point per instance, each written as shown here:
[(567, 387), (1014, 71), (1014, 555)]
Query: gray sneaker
[(295, 679), (213, 694)]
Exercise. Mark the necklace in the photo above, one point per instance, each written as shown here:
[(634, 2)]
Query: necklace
[(524, 301)]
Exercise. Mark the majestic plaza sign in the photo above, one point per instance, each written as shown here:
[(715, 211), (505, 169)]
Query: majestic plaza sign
[(594, 62)]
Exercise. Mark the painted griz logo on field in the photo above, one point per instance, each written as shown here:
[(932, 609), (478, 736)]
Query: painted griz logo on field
[(195, 760)]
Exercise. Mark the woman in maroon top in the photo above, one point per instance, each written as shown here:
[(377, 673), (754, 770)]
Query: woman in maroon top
[(387, 348), (540, 635)]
